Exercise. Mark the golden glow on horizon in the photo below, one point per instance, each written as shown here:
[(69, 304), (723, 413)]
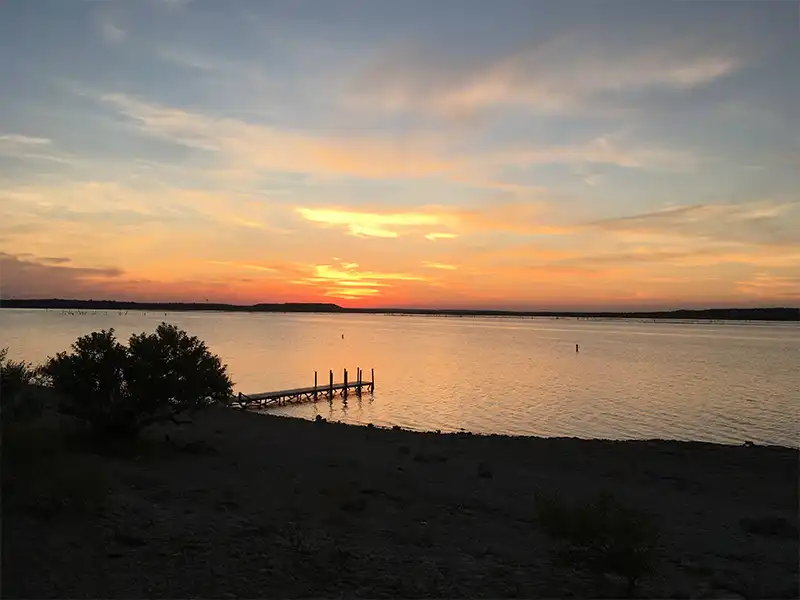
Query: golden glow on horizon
[(628, 261)]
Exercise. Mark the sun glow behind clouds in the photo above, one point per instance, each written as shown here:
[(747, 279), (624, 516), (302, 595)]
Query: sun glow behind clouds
[(370, 224), (347, 282)]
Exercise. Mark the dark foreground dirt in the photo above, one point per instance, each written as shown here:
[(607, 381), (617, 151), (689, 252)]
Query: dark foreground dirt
[(245, 505)]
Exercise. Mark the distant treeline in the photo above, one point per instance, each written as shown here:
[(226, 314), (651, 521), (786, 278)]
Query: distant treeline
[(62, 304), (739, 314)]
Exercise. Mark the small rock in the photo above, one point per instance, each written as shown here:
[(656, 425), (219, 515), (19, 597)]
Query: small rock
[(779, 527), (129, 540), (199, 447)]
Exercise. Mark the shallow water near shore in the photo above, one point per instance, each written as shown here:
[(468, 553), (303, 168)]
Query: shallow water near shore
[(719, 382)]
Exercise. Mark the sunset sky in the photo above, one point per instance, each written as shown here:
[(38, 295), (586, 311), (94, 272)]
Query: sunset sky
[(458, 153)]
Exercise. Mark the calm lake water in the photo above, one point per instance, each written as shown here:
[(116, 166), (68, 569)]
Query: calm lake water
[(725, 382)]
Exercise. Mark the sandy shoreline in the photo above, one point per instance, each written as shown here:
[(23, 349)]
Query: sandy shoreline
[(249, 505)]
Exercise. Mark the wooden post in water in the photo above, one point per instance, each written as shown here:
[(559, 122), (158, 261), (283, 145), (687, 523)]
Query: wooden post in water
[(344, 391), (372, 383), (315, 385), (330, 389), (358, 381)]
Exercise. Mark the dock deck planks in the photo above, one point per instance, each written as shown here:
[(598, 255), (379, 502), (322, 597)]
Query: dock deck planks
[(281, 397)]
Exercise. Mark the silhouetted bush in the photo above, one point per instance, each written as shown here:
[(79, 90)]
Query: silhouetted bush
[(121, 389), (602, 536), (16, 377)]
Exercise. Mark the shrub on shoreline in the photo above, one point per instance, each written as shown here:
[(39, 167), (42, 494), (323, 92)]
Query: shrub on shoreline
[(16, 377), (119, 390), (602, 537)]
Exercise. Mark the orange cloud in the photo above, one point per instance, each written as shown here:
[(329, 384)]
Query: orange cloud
[(328, 272), (244, 266), (766, 285), (435, 265), (515, 216), (370, 224), (347, 293)]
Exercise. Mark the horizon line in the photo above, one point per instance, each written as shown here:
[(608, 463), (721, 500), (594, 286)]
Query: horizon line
[(404, 308)]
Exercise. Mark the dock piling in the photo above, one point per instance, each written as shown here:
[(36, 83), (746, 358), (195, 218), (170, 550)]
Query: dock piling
[(280, 397)]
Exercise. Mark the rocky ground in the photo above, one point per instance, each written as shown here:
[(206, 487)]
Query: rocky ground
[(245, 505)]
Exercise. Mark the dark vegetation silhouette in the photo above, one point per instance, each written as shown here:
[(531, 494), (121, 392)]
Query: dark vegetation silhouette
[(119, 390), (18, 401), (602, 536)]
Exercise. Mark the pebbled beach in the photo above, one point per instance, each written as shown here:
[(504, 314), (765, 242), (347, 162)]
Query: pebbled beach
[(247, 505)]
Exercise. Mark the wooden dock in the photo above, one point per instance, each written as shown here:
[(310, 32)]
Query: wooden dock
[(329, 390)]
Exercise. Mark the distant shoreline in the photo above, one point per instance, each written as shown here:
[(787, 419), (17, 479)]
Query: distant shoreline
[(729, 314)]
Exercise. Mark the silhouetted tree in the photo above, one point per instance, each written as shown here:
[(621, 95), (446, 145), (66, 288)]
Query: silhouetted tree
[(120, 389), (15, 378)]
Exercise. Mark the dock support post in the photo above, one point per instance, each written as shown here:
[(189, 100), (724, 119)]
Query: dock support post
[(344, 391), (330, 389), (372, 383), (315, 385)]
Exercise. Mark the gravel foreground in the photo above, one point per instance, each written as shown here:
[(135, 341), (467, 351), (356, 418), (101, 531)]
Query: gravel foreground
[(247, 505)]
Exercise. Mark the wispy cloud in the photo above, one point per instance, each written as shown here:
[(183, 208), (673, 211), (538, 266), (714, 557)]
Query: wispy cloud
[(248, 145), (759, 222), (249, 148), (111, 33), (559, 75), (436, 265), (175, 4), (14, 139), (32, 148), (767, 285), (604, 150), (251, 267), (440, 235)]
